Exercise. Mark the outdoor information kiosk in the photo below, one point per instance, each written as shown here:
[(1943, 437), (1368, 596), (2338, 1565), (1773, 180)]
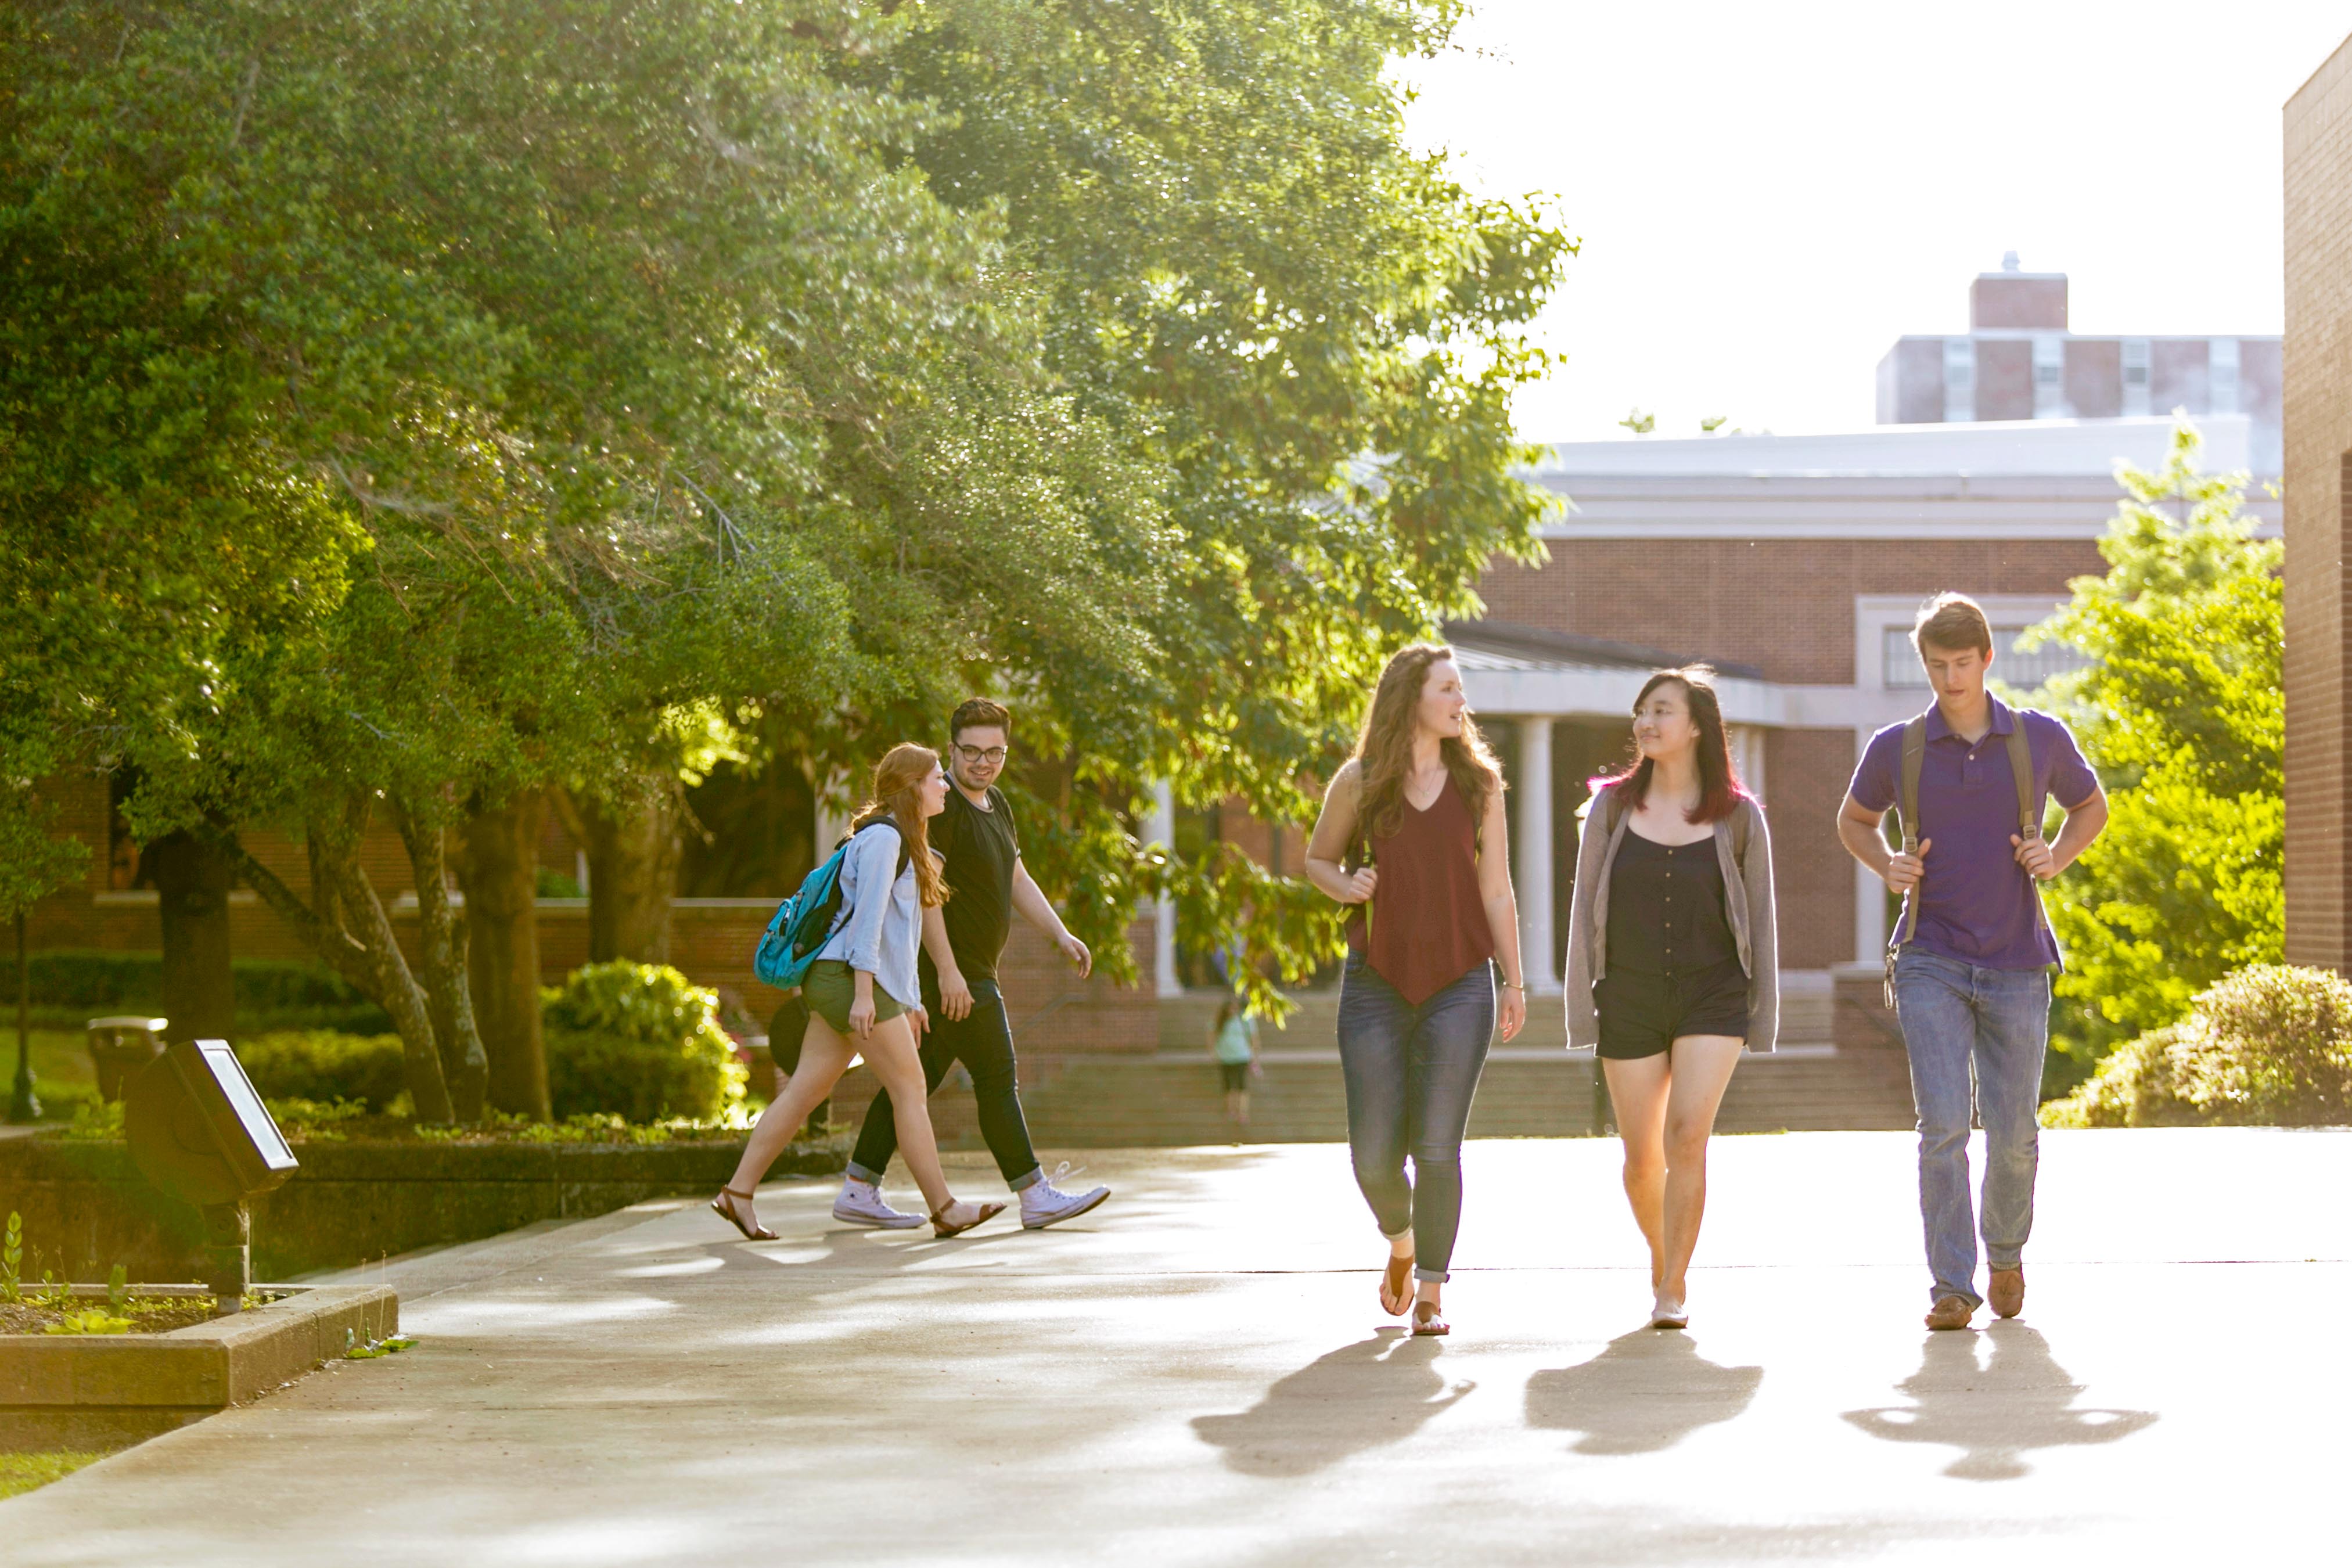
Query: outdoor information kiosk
[(200, 1134)]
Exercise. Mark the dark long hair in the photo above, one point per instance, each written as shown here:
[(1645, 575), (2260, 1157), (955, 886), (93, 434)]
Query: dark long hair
[(1720, 789), (1384, 751)]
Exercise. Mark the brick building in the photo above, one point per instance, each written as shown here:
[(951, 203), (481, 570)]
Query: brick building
[(1795, 565), (2318, 401)]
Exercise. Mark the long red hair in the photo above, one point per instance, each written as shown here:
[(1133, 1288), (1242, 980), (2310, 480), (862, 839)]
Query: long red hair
[(898, 780), (1720, 789)]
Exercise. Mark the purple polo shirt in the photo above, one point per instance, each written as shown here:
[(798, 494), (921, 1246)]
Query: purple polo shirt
[(1975, 902)]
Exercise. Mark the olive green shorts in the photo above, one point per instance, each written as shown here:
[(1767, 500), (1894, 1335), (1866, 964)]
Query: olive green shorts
[(830, 989)]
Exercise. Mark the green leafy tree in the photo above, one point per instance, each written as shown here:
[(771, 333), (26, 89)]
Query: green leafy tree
[(1306, 336), (2181, 711)]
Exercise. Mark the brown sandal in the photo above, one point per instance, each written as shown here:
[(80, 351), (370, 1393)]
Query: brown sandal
[(723, 1206), (1396, 1286), (1428, 1323), (942, 1229)]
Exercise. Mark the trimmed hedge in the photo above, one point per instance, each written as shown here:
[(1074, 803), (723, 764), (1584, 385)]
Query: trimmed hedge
[(2270, 1045), (324, 1066), (269, 992), (638, 1040)]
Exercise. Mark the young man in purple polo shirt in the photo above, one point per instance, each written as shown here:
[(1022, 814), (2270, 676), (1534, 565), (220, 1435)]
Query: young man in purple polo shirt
[(1972, 975)]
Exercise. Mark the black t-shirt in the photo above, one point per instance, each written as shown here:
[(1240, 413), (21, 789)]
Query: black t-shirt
[(980, 848)]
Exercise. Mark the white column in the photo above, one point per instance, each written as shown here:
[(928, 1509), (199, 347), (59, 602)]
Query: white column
[(1162, 829), (1533, 873)]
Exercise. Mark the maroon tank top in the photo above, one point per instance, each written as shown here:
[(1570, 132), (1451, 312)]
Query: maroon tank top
[(1428, 923)]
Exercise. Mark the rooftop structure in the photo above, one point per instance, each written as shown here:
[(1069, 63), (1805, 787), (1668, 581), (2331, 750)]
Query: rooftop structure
[(2021, 361)]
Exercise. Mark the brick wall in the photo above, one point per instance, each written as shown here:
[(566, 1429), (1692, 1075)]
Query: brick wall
[(2318, 375), (1806, 773), (2004, 379), (710, 940), (1786, 606)]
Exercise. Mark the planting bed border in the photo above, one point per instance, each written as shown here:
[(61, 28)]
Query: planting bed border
[(105, 1391), (87, 1208)]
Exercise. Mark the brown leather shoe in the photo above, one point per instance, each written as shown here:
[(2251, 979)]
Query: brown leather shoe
[(2007, 1291), (1950, 1313)]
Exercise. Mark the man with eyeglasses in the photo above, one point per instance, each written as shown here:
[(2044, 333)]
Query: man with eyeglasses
[(962, 942)]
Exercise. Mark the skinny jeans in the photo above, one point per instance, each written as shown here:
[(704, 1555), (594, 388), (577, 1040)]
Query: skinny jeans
[(1411, 1072)]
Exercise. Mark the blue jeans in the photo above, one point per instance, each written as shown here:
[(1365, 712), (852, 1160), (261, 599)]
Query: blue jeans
[(1956, 1016), (1410, 1074)]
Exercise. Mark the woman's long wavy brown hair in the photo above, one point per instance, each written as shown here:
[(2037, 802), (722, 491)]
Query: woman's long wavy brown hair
[(899, 796), (1720, 789), (1384, 751)]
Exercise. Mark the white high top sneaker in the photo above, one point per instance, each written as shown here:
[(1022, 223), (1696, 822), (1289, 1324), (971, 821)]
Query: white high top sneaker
[(1044, 1203), (860, 1203)]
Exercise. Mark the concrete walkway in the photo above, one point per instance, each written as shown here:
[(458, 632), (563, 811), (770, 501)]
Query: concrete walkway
[(1198, 1374)]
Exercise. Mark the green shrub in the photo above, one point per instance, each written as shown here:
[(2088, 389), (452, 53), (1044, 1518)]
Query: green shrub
[(2270, 1045), (323, 1066), (640, 1041), (70, 984)]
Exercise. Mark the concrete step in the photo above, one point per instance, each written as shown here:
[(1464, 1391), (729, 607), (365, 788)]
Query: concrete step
[(1175, 1098)]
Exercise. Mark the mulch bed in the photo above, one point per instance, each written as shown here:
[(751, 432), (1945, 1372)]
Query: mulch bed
[(148, 1315)]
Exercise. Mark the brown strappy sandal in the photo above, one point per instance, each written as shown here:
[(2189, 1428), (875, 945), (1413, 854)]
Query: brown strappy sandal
[(1428, 1323), (723, 1206), (1396, 1286), (942, 1229)]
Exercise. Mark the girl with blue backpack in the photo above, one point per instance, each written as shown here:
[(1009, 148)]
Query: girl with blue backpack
[(860, 985)]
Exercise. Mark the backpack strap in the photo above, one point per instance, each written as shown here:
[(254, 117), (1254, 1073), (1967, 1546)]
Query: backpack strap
[(2029, 805), (1915, 754)]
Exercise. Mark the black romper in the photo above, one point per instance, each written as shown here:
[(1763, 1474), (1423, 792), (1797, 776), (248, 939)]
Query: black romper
[(1673, 963)]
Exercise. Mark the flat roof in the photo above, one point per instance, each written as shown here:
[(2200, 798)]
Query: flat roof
[(2020, 449)]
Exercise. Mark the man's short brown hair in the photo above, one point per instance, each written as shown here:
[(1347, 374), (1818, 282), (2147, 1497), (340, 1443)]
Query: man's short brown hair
[(1953, 622), (979, 713)]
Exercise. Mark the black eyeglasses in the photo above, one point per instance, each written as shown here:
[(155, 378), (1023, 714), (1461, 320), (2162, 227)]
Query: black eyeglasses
[(974, 754)]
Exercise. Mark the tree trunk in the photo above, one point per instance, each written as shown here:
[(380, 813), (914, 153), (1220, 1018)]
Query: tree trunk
[(345, 924), (193, 876), (498, 865), (441, 950), (633, 854)]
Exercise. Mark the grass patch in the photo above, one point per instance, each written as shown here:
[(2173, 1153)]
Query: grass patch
[(23, 1472)]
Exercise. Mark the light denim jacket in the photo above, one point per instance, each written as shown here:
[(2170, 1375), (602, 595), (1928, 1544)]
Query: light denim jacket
[(880, 934)]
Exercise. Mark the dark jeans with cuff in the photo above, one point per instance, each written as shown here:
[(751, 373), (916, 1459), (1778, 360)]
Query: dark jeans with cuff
[(1411, 1073), (982, 1040)]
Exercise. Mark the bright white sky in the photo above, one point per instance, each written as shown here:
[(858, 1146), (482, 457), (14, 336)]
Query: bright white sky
[(1771, 193)]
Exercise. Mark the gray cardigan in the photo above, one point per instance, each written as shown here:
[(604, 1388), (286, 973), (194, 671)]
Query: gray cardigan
[(1747, 900)]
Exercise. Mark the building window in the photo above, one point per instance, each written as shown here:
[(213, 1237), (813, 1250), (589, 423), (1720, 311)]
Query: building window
[(2135, 375), (2223, 385), (1959, 380), (2021, 670), (2048, 377)]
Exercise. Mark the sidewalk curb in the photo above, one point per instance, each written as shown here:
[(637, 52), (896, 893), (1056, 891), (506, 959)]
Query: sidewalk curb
[(73, 1391)]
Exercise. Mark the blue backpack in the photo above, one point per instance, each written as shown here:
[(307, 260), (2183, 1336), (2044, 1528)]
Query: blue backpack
[(804, 923)]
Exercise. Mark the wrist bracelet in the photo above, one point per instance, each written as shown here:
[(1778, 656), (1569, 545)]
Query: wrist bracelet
[(1519, 986)]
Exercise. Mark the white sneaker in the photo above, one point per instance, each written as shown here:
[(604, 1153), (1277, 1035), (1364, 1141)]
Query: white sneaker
[(1044, 1203), (860, 1203)]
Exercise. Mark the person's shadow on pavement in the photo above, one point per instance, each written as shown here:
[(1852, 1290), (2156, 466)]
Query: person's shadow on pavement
[(1359, 1396), (1647, 1391), (2020, 1399)]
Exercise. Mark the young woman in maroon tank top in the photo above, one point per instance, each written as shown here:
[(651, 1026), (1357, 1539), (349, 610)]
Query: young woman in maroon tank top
[(1414, 833)]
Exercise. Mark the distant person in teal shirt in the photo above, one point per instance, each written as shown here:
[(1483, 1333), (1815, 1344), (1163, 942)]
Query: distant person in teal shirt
[(1233, 1040)]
